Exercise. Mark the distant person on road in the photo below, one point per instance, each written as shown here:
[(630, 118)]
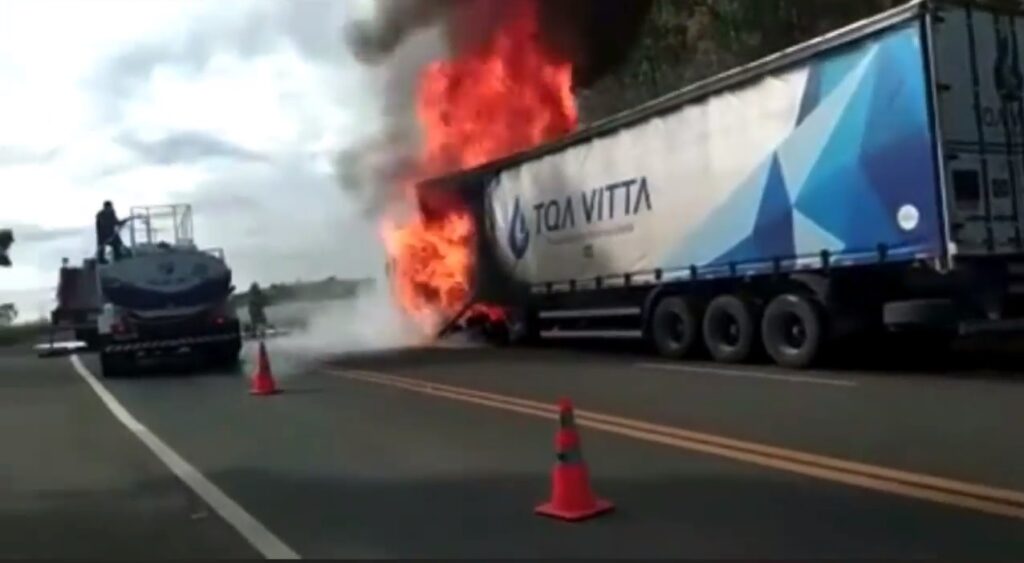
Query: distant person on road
[(257, 309), (6, 240), (107, 227)]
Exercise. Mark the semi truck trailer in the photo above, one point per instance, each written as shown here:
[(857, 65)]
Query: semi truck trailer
[(868, 182)]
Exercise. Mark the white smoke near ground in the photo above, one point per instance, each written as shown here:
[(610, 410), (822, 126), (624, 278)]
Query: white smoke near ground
[(368, 322)]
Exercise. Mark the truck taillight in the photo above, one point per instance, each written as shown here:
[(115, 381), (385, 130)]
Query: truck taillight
[(219, 316)]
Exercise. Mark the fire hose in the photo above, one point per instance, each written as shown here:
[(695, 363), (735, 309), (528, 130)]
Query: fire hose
[(120, 227)]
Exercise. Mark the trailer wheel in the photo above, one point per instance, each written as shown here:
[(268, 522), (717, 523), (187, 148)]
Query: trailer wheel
[(731, 329), (675, 327), (793, 330)]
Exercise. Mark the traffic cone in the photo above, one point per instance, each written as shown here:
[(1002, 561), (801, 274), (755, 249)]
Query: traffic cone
[(571, 496), (263, 379)]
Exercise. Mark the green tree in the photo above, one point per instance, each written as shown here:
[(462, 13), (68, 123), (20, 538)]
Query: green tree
[(8, 314), (686, 41)]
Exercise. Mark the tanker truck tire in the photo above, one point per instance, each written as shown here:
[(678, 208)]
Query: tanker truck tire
[(225, 356), (115, 365), (89, 337)]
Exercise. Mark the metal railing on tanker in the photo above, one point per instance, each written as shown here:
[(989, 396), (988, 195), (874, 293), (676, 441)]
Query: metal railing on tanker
[(151, 222)]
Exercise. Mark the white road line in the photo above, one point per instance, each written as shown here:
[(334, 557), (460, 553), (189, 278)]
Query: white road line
[(251, 529), (750, 374)]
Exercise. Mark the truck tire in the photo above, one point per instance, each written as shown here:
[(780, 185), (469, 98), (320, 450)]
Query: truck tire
[(497, 334), (224, 356), (675, 327), (115, 365), (793, 330), (731, 328), (523, 328), (89, 337)]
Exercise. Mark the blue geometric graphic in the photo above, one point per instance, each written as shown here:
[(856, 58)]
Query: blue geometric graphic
[(773, 233), (822, 80), (861, 150), (518, 232)]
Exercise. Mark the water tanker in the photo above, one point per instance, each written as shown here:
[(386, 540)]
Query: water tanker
[(165, 298)]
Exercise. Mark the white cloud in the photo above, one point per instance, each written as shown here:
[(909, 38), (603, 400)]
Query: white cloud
[(236, 107)]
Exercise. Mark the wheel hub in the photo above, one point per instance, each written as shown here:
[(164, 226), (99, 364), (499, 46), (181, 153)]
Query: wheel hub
[(795, 333), (732, 332), (676, 329)]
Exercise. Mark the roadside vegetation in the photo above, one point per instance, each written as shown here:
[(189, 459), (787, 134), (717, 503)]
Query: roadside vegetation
[(684, 42), (330, 289), (25, 333)]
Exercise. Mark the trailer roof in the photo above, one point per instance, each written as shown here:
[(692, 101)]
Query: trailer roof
[(707, 87)]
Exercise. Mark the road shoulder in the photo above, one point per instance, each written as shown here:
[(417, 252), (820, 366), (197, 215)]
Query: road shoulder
[(75, 483)]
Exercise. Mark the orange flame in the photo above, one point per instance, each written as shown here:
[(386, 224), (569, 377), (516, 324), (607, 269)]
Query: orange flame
[(506, 96)]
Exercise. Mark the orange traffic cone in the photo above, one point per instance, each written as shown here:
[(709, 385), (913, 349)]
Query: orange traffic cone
[(263, 379), (571, 496)]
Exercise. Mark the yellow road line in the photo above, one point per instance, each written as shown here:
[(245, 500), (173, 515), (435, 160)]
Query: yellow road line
[(1003, 502)]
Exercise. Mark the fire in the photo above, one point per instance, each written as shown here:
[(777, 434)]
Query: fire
[(431, 261), (510, 96), (507, 95)]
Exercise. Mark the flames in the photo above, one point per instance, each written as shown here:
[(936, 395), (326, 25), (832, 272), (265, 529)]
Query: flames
[(430, 261), (507, 95)]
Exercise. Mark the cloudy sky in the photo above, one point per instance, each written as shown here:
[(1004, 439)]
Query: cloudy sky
[(237, 107)]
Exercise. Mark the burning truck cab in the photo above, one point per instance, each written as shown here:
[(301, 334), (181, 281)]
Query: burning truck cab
[(492, 299)]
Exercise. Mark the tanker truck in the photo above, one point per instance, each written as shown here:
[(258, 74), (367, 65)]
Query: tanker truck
[(166, 297), (867, 183)]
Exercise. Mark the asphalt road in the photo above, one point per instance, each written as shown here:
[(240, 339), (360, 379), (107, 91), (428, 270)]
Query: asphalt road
[(74, 483), (441, 453)]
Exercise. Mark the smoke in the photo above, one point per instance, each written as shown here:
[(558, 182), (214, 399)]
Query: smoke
[(393, 21), (368, 322), (596, 35), (396, 43), (402, 36)]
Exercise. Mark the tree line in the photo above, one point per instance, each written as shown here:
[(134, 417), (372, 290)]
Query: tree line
[(686, 41), (328, 289)]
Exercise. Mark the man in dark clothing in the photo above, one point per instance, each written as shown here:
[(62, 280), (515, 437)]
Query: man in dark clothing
[(6, 240), (257, 309), (107, 226)]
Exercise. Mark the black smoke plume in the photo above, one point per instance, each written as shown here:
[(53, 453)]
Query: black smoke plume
[(596, 35), (405, 35)]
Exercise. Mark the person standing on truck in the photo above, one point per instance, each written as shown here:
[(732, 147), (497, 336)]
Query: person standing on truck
[(257, 309), (107, 226)]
